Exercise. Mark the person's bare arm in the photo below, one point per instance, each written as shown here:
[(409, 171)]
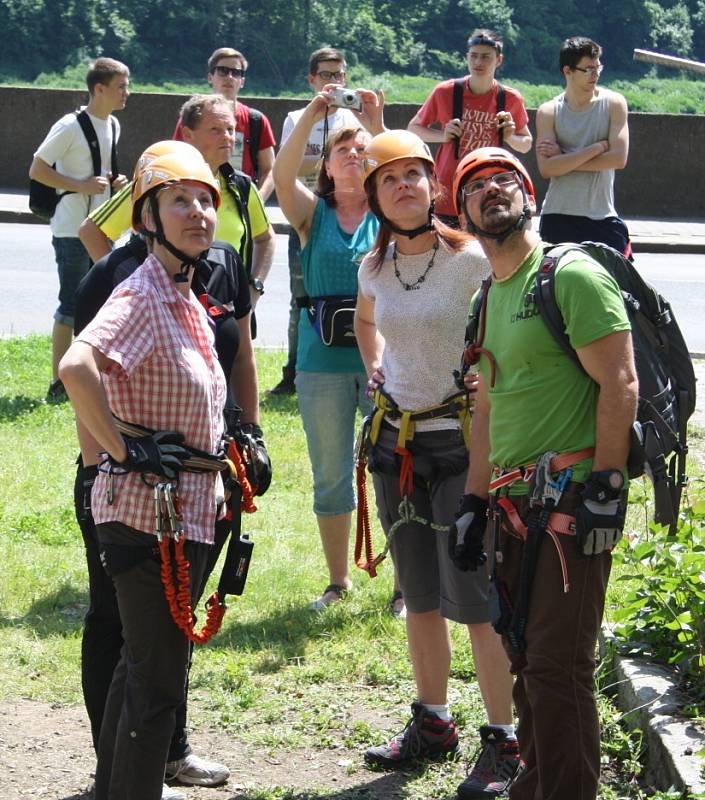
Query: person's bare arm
[(42, 172), (609, 361), (480, 470), (552, 164), (615, 157), (79, 371), (243, 377), (263, 247), (94, 240), (519, 140), (451, 130), (369, 340), (296, 201), (266, 181)]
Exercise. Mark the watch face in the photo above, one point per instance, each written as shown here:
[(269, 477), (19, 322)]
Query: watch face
[(615, 479), (257, 285)]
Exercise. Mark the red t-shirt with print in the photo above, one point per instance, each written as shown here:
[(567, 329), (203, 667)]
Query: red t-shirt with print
[(240, 157), (478, 127)]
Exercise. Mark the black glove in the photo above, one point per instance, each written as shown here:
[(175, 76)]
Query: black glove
[(159, 454), (258, 463), (599, 520), (466, 538)]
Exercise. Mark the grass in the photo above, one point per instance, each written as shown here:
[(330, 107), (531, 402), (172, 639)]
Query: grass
[(277, 674), (670, 95)]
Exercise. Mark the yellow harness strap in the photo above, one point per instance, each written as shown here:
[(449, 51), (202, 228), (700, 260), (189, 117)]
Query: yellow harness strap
[(460, 405)]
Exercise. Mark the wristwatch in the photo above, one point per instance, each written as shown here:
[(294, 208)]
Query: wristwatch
[(257, 285), (605, 485)]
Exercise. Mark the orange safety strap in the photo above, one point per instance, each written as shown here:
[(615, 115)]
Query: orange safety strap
[(558, 464), (364, 531), (178, 596), (558, 523), (236, 457)]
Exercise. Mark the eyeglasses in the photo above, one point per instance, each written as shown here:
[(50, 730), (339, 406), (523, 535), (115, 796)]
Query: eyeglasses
[(501, 179), (235, 72), (327, 75), (591, 70)]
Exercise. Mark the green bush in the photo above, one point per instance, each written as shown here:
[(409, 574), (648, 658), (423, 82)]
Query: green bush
[(662, 614)]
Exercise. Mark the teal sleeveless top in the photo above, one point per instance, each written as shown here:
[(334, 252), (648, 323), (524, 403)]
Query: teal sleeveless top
[(330, 261)]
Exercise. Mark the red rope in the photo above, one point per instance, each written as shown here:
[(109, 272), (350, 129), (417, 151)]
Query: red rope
[(178, 597), (364, 530), (247, 504)]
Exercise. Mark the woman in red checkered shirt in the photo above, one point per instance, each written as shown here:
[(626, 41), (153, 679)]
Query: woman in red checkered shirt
[(148, 358)]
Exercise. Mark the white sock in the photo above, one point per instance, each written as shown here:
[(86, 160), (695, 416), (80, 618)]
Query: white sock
[(509, 730), (441, 711)]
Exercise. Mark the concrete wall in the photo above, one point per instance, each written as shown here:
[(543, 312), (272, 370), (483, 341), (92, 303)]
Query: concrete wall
[(665, 176)]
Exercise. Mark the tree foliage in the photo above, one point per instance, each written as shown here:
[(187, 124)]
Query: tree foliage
[(171, 39)]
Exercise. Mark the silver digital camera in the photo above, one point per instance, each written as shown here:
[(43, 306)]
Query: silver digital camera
[(346, 98)]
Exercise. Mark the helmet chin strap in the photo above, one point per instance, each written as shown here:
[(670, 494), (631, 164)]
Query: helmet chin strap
[(411, 233), (187, 262), (500, 238)]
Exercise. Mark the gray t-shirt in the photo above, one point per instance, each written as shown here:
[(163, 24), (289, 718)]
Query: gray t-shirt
[(579, 193), (423, 329)]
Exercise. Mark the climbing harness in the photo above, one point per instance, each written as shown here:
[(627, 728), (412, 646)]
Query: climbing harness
[(458, 406), (169, 529), (545, 494)]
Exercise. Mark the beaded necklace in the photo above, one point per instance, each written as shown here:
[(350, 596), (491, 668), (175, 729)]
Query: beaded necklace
[(410, 287)]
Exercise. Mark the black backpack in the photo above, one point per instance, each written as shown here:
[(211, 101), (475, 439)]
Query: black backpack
[(663, 364), (44, 199)]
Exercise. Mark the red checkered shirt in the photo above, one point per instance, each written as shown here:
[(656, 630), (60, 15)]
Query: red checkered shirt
[(165, 376)]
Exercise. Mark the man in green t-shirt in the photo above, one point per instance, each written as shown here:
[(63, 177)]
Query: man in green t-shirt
[(536, 412)]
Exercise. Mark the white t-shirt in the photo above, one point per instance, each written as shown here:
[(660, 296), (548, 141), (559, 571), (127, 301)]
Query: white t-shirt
[(342, 118), (66, 146), (423, 328)]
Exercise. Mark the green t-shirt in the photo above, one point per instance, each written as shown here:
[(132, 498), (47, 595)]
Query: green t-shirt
[(541, 401)]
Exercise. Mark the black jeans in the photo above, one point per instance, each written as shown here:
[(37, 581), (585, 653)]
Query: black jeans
[(149, 682), (102, 631)]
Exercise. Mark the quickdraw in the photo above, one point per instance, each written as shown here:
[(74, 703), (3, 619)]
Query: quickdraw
[(175, 574)]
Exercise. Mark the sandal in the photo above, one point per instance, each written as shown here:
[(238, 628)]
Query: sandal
[(397, 605), (335, 589)]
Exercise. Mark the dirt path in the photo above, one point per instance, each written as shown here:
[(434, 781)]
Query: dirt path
[(47, 755)]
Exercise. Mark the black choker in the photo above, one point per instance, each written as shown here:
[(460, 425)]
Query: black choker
[(410, 287)]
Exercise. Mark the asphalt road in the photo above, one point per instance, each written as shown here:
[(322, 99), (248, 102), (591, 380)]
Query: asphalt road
[(29, 285)]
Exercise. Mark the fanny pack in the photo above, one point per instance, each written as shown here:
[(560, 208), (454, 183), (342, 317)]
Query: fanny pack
[(332, 318)]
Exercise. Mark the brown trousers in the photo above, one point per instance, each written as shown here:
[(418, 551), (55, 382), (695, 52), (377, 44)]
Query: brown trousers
[(558, 730)]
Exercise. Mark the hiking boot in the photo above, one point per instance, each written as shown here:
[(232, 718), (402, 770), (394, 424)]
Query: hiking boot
[(195, 771), (56, 393), (426, 735), (286, 385), (172, 794), (496, 768)]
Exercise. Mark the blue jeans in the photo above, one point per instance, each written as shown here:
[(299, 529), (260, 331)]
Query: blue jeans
[(328, 403), (73, 263)]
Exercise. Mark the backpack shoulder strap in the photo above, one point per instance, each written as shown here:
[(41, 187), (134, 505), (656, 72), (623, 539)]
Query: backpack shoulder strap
[(255, 133), (114, 170), (475, 336), (545, 297), (92, 138), (458, 89), (239, 186), (501, 105)]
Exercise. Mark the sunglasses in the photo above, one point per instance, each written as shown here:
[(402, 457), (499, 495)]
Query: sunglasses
[(235, 72)]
